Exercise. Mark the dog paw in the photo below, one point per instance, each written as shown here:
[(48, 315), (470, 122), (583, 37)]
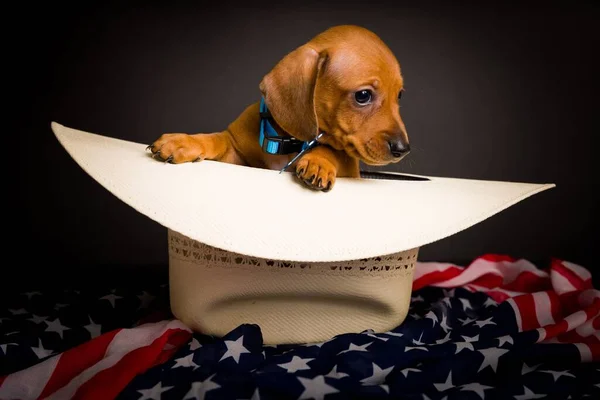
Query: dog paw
[(176, 148), (316, 172)]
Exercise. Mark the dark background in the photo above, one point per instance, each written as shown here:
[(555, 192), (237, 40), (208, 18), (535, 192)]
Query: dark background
[(495, 93)]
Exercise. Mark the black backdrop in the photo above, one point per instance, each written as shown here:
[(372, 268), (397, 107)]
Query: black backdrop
[(499, 93)]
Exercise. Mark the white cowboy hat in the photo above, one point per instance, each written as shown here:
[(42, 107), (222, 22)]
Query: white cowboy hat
[(249, 245)]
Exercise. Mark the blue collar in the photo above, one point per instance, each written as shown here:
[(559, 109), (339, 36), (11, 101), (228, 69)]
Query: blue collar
[(272, 143)]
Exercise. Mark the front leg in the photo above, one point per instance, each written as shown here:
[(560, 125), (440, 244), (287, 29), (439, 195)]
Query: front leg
[(182, 147), (320, 166)]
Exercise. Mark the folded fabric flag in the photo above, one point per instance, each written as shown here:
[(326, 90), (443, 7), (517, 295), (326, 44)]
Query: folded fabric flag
[(499, 328)]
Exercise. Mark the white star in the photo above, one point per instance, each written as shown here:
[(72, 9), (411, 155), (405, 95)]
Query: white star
[(431, 315), (235, 349), (466, 321), (528, 394), (154, 392), (409, 348), (40, 351), (58, 306), (112, 298), (490, 357), (2, 319), (199, 389), (447, 301), (405, 371), (557, 374), (93, 328), (37, 319), (377, 337), (397, 334), (418, 342), (488, 321), (386, 388), (527, 369), (255, 396), (440, 387), (444, 324), (505, 339), (187, 361), (20, 311), (315, 388), (335, 374), (145, 299), (415, 316), (195, 344), (56, 326), (31, 294), (417, 298), (476, 387), (466, 304), (4, 346), (378, 376), (297, 364), (490, 302), (354, 347), (470, 339), (444, 339), (463, 345)]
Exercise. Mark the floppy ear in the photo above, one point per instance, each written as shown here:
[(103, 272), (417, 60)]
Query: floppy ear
[(289, 92)]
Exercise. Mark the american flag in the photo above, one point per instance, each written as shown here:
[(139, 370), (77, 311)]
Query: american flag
[(497, 328)]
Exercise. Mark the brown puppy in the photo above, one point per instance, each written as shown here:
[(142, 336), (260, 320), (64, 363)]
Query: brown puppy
[(345, 82)]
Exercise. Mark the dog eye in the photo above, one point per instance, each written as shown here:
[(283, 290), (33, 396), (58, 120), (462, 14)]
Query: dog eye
[(400, 95), (363, 96)]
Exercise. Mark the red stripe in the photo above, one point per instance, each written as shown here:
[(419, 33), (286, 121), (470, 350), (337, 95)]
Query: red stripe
[(2, 378), (488, 281), (556, 329), (555, 307), (434, 277), (573, 279), (108, 383), (497, 258), (526, 307), (73, 361), (528, 282)]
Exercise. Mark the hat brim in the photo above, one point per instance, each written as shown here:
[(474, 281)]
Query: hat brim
[(262, 213)]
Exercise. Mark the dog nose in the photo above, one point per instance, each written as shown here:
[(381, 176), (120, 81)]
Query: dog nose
[(398, 148)]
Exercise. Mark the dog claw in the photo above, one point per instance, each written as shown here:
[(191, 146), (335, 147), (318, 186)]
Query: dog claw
[(169, 159), (150, 146)]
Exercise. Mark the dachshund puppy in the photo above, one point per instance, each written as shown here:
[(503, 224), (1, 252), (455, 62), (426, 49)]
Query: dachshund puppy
[(344, 83)]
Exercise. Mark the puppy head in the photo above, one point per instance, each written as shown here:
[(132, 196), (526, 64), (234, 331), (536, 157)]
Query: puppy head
[(347, 83)]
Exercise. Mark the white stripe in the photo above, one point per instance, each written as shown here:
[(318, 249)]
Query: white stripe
[(576, 319), (511, 270), (30, 382), (124, 342), (425, 268), (584, 352), (560, 283), (587, 329), (543, 310), (477, 269), (541, 334), (517, 313), (581, 272)]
